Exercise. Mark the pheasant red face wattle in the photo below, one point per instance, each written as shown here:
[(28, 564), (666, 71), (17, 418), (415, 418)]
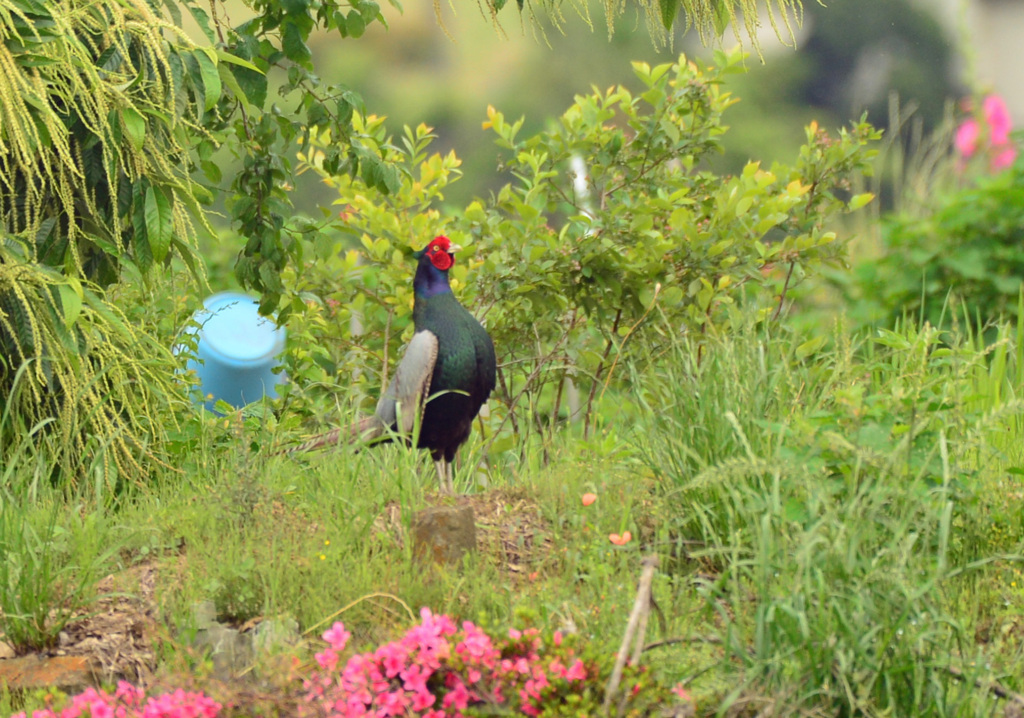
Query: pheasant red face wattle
[(441, 259), (440, 251)]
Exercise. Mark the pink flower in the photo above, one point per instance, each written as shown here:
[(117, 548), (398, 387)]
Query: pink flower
[(681, 692), (336, 636), (127, 693), (393, 658), (994, 137), (421, 700), (458, 696), (588, 498), (576, 672), (101, 709), (393, 703), (966, 138), (414, 678), (1004, 158), (327, 659), (998, 119)]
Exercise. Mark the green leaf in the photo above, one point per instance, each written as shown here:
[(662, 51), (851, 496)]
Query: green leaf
[(159, 222), (227, 57), (669, 12), (134, 125), (504, 443), (142, 251), (202, 21), (722, 17), (859, 200), (810, 347), (211, 170), (355, 24), (210, 77), (70, 300), (293, 44), (253, 84)]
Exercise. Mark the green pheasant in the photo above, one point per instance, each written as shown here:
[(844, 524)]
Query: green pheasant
[(445, 375)]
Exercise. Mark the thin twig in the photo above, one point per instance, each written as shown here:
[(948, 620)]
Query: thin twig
[(618, 354), (996, 689), (597, 374), (387, 339), (785, 288), (541, 364), (681, 639)]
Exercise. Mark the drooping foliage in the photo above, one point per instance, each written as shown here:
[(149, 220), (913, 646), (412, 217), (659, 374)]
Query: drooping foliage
[(100, 106), (710, 18), (84, 394), (101, 103)]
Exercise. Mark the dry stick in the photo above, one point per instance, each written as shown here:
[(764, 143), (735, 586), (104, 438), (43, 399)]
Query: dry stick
[(992, 687), (634, 629), (641, 631)]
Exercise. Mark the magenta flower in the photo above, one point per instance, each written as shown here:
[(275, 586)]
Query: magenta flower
[(337, 637), (438, 670), (393, 658), (998, 119), (966, 138), (994, 136), (127, 702), (327, 659), (458, 696), (421, 700), (576, 672)]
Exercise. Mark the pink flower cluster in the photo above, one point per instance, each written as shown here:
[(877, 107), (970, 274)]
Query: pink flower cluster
[(1000, 149), (437, 670), (131, 702)]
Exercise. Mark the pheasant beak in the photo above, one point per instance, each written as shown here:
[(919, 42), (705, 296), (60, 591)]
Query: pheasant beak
[(454, 248)]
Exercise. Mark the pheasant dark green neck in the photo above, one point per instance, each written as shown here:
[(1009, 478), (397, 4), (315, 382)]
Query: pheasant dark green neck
[(429, 281)]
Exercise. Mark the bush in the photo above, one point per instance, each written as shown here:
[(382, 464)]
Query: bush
[(959, 245), (606, 215), (969, 249)]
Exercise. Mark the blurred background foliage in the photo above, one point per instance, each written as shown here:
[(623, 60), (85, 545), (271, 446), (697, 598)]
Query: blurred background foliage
[(850, 57)]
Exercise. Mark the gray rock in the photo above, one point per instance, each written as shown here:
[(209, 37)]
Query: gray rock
[(444, 534)]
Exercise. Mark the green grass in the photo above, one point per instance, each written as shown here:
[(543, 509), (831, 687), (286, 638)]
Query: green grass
[(841, 503), (839, 521)]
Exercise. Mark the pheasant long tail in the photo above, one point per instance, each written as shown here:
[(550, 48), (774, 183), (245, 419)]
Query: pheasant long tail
[(362, 431)]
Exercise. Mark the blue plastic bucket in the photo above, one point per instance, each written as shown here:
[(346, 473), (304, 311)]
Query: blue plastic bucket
[(236, 352)]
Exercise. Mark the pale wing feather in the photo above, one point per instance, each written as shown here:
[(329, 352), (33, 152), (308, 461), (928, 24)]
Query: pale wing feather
[(411, 383)]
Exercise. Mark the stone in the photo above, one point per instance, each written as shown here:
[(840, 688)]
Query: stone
[(235, 651), (444, 534), (274, 634), (230, 651), (68, 673)]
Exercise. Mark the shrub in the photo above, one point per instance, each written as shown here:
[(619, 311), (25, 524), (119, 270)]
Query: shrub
[(606, 214)]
